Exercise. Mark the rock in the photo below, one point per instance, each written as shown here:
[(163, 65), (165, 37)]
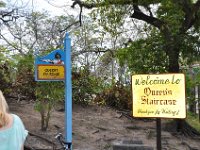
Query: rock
[(130, 145)]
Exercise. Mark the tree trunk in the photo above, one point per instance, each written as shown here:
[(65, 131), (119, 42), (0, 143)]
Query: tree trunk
[(173, 55), (173, 60), (42, 122)]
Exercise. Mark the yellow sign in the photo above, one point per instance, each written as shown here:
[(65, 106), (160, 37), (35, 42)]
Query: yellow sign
[(159, 95), (51, 72)]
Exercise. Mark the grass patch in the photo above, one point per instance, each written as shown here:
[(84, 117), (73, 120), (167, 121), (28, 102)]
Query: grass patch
[(193, 120)]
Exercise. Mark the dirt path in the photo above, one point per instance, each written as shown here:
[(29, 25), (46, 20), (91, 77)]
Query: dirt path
[(96, 128)]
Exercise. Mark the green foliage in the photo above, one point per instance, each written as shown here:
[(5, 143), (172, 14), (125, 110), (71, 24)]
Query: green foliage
[(144, 55), (167, 41), (48, 94), (107, 58), (117, 96), (54, 91), (197, 74), (25, 83), (111, 18), (193, 120), (190, 85), (2, 4), (172, 13), (192, 80), (7, 71), (6, 74), (85, 86)]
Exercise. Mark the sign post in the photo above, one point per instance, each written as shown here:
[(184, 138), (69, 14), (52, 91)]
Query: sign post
[(68, 92), (56, 66), (158, 135), (159, 96)]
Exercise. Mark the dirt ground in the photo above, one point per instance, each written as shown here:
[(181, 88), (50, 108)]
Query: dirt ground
[(97, 128)]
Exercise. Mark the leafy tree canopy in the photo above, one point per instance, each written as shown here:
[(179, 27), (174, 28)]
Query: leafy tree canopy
[(2, 4), (173, 25)]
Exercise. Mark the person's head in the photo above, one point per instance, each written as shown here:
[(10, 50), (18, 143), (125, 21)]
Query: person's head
[(57, 56), (3, 110)]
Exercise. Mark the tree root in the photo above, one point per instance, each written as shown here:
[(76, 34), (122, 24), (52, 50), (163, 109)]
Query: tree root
[(186, 130)]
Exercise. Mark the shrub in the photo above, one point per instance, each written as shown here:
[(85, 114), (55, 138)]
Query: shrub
[(117, 96)]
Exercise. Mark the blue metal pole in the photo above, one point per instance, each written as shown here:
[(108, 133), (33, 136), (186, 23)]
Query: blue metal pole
[(68, 92)]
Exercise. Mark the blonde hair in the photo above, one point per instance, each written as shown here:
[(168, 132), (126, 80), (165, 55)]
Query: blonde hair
[(3, 110)]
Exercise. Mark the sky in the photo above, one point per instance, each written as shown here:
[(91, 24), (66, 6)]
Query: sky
[(54, 7)]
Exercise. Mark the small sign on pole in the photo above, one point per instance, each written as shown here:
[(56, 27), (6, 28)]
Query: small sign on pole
[(50, 72), (50, 67), (56, 66)]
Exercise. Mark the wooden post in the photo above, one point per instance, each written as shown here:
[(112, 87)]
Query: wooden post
[(158, 129)]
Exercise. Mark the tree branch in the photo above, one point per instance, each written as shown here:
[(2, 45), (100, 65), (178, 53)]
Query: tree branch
[(10, 44), (112, 2), (190, 15), (105, 3), (97, 50), (149, 10), (138, 14), (80, 15), (82, 4), (6, 16), (69, 26)]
